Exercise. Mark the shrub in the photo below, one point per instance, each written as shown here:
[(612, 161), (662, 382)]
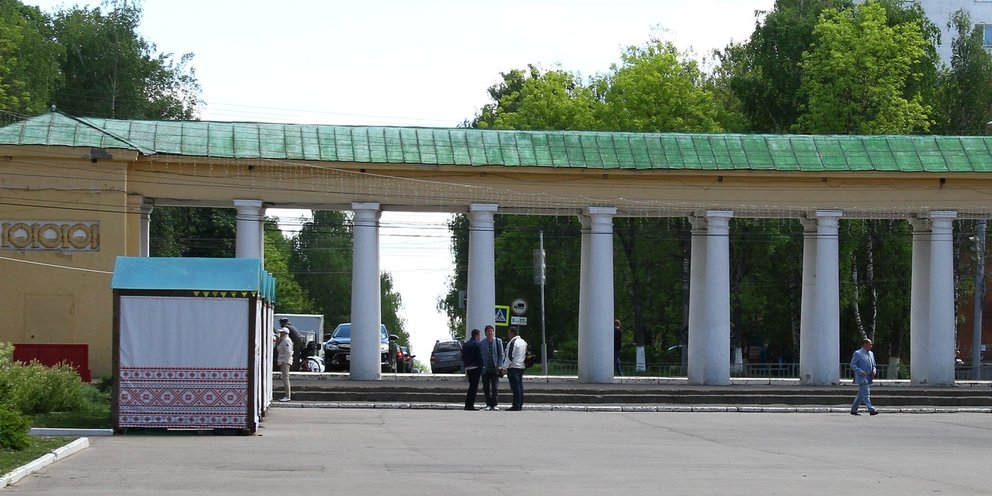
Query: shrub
[(14, 429), (33, 388)]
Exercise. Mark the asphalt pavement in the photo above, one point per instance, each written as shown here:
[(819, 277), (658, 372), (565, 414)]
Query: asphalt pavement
[(365, 451)]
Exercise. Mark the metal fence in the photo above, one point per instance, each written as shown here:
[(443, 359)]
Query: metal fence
[(777, 370)]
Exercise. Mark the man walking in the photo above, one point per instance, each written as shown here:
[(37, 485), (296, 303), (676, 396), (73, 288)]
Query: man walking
[(492, 367), (472, 363), (285, 358), (516, 350), (863, 365)]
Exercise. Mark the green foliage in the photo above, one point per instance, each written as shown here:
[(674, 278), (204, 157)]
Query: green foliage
[(765, 73), (29, 58), (857, 74), (14, 428), (539, 101), (391, 305), (33, 388), (322, 263), (965, 100), (110, 70), (193, 232), (37, 447), (290, 296), (656, 88)]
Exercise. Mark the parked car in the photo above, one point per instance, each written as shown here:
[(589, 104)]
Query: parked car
[(337, 349), (447, 356), (406, 359)]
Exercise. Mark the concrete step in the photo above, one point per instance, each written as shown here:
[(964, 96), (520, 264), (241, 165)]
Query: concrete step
[(573, 393)]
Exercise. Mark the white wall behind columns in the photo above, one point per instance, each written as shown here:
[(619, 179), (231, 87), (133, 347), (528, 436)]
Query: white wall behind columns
[(366, 299), (941, 320), (596, 322), (825, 324), (709, 307), (249, 229), (919, 309), (480, 307)]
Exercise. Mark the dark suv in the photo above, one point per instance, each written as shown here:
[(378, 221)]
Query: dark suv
[(337, 349), (447, 356)]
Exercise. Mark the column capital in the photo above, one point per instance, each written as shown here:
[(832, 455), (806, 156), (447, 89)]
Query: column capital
[(356, 206), (146, 207), (943, 214), (597, 211), (248, 204), (919, 222), (483, 207)]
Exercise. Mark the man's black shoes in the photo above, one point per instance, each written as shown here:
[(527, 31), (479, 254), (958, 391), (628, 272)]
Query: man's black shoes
[(855, 413), (873, 412)]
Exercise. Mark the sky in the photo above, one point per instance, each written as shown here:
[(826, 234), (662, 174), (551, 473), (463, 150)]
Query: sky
[(425, 63)]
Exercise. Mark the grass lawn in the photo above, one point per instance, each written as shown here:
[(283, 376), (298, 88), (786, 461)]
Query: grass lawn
[(40, 445)]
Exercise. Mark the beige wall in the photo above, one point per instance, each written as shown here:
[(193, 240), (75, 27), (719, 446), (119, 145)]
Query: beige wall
[(63, 295)]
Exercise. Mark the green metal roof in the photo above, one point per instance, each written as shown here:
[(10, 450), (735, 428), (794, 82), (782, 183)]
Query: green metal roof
[(475, 147)]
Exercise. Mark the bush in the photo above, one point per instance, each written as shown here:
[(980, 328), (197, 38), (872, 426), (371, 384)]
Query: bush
[(33, 388), (14, 429)]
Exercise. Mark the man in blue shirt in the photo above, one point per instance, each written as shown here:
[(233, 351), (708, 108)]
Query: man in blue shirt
[(863, 365)]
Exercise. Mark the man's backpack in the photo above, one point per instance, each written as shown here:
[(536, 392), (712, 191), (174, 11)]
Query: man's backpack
[(530, 359)]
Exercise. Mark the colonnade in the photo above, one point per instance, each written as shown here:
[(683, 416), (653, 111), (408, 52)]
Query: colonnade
[(932, 299)]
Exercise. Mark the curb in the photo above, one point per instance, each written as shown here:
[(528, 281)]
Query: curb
[(57, 431), (634, 408), (45, 460)]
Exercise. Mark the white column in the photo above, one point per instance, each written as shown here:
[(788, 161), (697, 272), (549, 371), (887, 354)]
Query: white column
[(144, 228), (709, 306), (919, 307), (480, 309), (825, 324), (697, 308), (366, 310), (807, 348), (941, 319), (249, 229), (596, 297), (584, 276)]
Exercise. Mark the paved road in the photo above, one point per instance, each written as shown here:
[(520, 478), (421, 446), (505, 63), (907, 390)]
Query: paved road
[(448, 452)]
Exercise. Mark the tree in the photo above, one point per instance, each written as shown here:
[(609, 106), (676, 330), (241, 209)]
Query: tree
[(29, 58), (538, 101), (965, 104), (857, 74), (193, 232), (110, 70), (765, 73), (290, 296), (655, 88)]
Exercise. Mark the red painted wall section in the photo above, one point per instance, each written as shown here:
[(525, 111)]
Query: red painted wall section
[(77, 355)]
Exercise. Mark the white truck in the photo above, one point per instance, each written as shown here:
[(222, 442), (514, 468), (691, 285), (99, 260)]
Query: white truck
[(310, 325)]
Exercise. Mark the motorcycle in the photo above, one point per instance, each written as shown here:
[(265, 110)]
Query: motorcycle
[(312, 361)]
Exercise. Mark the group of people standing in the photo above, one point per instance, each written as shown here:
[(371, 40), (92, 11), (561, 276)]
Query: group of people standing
[(488, 360)]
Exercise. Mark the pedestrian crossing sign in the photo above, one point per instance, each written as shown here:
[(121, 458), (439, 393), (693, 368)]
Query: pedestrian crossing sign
[(502, 315)]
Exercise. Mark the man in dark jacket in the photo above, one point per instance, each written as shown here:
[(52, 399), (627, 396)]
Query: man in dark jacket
[(472, 363), (298, 343)]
